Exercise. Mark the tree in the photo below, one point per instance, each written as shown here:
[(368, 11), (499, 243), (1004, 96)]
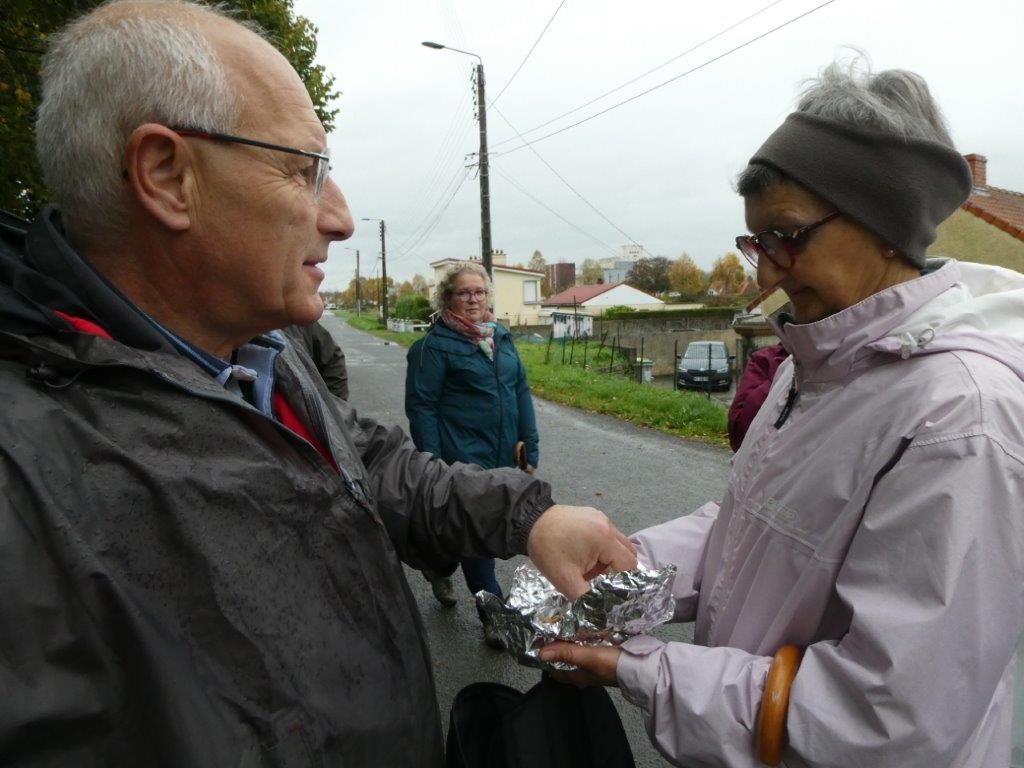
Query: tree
[(420, 285), (650, 274), (538, 263), (24, 28), (405, 289), (369, 291), (686, 278), (590, 272), (727, 275)]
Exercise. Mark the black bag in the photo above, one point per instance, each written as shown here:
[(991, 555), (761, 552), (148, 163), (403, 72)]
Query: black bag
[(495, 726)]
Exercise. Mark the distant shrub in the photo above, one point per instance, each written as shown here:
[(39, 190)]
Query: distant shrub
[(414, 307), (618, 310)]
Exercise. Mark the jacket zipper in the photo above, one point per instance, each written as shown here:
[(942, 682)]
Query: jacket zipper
[(501, 408), (320, 424), (791, 398)]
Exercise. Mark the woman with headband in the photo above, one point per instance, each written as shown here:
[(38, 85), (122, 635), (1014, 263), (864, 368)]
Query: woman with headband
[(874, 518)]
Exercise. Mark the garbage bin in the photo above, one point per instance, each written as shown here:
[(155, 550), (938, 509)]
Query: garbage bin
[(645, 369)]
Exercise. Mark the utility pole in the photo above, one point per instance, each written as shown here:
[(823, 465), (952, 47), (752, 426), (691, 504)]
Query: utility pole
[(485, 187), (383, 270), (359, 300)]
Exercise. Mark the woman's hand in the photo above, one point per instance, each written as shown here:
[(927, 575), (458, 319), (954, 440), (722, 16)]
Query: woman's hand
[(597, 664)]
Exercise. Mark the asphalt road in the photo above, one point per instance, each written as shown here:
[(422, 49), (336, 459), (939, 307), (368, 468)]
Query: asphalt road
[(636, 476)]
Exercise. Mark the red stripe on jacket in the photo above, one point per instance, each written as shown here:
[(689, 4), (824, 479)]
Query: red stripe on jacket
[(283, 412)]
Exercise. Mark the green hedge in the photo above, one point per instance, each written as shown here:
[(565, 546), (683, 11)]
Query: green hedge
[(726, 313)]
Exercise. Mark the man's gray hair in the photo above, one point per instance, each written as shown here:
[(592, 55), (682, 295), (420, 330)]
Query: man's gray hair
[(446, 285), (105, 75), (893, 102)]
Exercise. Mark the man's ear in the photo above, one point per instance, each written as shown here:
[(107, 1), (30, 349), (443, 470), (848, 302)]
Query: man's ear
[(160, 173)]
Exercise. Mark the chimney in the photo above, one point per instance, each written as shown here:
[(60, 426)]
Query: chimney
[(977, 164), (499, 258)]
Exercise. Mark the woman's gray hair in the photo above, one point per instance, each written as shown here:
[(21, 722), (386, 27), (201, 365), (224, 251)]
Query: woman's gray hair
[(893, 102), (446, 285), (103, 76)]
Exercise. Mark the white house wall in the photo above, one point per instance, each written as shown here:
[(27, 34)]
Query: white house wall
[(623, 295)]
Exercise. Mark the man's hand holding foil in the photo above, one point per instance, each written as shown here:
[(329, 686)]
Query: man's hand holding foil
[(570, 545), (597, 664)]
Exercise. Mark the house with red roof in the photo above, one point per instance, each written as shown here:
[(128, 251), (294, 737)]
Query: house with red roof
[(573, 310), (988, 228), (594, 299)]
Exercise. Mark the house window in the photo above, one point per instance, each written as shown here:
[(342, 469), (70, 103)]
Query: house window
[(531, 291)]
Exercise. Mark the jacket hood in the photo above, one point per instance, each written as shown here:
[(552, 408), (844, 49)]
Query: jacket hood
[(49, 276), (954, 307)]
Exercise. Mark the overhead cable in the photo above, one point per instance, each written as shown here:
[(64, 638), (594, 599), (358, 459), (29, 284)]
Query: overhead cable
[(688, 51), (553, 212), (529, 52), (437, 219), (571, 187), (670, 80)]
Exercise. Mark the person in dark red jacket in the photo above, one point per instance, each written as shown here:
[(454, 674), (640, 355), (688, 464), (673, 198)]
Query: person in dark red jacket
[(752, 390)]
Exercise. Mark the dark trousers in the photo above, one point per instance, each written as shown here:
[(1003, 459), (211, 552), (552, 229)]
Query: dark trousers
[(479, 575)]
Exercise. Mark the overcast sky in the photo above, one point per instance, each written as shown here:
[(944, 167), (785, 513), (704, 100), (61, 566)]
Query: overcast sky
[(659, 169)]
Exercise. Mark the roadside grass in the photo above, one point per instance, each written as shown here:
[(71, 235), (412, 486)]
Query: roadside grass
[(682, 414), (369, 324)]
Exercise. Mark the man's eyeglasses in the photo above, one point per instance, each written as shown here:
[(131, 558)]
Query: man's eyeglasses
[(319, 171), (778, 247), (478, 294)]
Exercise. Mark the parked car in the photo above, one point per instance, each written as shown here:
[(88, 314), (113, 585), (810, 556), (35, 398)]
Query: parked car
[(705, 365)]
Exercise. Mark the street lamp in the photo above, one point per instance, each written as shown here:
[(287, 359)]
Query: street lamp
[(383, 272), (485, 191), (359, 302)]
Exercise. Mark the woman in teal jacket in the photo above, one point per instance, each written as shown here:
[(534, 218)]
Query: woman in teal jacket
[(468, 400)]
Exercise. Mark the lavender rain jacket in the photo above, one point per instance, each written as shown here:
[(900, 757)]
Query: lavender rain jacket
[(881, 527)]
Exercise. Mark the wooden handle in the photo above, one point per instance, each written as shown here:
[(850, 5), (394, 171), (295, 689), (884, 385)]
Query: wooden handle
[(519, 453), (771, 719)]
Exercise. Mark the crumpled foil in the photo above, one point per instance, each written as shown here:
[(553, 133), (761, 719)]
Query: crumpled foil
[(617, 606)]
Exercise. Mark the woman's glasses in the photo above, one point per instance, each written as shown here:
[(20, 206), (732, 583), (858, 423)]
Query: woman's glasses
[(778, 247), (466, 295)]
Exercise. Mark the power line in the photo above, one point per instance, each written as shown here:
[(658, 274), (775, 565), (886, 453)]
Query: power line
[(671, 80), (555, 213), (529, 52), (688, 51), (437, 219), (570, 186), (451, 20), (425, 222), (431, 188)]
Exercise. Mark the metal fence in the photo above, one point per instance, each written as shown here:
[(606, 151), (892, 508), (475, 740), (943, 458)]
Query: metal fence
[(605, 353)]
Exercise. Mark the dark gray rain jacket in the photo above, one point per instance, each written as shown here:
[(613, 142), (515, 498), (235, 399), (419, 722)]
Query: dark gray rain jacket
[(184, 581)]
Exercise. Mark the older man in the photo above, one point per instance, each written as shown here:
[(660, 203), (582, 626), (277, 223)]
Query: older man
[(200, 551)]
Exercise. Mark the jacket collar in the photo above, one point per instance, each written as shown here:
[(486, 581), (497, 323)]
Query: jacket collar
[(96, 298), (441, 329), (829, 348)]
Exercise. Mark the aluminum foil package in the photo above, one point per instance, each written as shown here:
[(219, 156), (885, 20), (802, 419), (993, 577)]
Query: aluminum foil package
[(617, 606)]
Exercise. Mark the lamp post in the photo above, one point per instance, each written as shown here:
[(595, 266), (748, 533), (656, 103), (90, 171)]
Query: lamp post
[(383, 272), (485, 190), (359, 301)]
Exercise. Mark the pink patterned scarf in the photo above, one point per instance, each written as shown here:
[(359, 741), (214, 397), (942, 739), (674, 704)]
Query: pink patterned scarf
[(478, 334)]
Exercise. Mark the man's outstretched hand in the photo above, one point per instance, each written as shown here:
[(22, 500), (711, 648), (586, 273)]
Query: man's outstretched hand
[(597, 664), (570, 545)]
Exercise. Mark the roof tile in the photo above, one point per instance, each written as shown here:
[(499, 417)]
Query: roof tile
[(1001, 208)]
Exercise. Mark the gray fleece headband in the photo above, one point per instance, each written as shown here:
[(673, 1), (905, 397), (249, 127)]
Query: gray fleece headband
[(900, 189)]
